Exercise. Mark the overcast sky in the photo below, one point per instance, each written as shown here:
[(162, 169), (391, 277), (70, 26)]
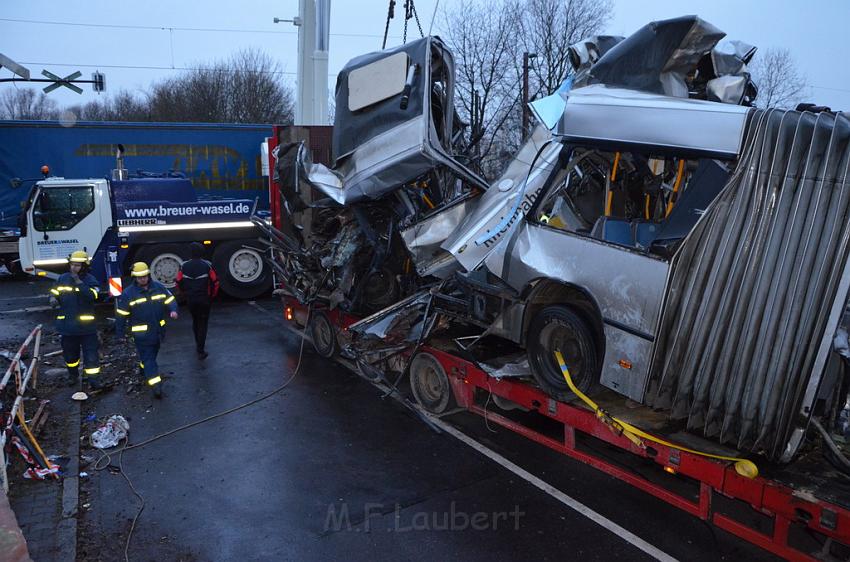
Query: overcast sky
[(87, 35)]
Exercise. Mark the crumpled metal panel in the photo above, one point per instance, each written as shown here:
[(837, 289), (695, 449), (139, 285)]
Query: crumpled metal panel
[(768, 263), (424, 238), (656, 58), (627, 286), (504, 205)]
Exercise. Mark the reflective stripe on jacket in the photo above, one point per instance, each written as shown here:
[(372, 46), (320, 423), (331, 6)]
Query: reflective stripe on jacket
[(75, 315), (197, 280), (144, 310)]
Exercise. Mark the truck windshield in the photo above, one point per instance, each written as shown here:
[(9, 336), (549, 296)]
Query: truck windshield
[(61, 208)]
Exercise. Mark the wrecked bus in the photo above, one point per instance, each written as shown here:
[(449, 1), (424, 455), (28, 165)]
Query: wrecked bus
[(675, 244)]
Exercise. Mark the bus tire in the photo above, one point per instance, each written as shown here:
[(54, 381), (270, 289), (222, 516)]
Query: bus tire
[(559, 328)]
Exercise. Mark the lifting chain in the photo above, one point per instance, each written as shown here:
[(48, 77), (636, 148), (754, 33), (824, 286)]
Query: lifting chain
[(409, 13)]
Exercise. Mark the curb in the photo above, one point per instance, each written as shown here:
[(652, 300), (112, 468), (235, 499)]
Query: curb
[(66, 532)]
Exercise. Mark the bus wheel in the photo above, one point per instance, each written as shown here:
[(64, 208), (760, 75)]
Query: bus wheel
[(559, 328)]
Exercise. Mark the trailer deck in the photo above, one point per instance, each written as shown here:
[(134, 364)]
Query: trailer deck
[(799, 511)]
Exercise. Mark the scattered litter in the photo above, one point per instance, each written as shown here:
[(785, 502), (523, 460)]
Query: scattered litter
[(111, 433), (86, 505), (55, 372), (7, 354), (91, 417), (84, 475), (79, 396), (33, 473)]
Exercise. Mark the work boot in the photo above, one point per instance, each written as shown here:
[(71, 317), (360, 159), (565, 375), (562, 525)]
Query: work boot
[(157, 390), (202, 354), (72, 378), (94, 383)]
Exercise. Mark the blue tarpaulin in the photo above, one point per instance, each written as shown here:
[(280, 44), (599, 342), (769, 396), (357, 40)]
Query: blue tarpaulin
[(222, 160)]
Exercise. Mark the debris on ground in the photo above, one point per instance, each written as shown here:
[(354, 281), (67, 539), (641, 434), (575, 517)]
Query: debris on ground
[(111, 433)]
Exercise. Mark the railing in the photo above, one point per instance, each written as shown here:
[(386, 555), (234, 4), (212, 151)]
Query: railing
[(23, 373)]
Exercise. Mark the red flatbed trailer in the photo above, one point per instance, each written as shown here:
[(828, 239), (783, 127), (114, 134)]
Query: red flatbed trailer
[(773, 498)]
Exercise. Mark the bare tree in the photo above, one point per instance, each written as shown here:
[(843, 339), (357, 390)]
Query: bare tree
[(27, 103), (488, 40), (780, 83), (247, 88), (549, 27), (483, 39), (123, 106)]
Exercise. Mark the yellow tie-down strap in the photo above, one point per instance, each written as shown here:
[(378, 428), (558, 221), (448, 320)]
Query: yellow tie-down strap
[(744, 467)]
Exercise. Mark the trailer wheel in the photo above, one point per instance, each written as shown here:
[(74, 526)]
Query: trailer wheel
[(558, 328), (323, 334), (164, 261), (430, 385), (242, 272)]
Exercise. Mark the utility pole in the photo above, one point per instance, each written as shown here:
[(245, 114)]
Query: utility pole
[(526, 57), (311, 104)]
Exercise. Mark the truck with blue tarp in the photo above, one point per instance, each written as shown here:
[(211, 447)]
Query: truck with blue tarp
[(145, 217), (223, 161)]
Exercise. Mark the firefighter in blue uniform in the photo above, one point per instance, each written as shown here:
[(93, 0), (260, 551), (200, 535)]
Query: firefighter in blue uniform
[(75, 293), (144, 305)]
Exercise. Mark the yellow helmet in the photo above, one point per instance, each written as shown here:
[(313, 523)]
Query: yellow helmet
[(80, 256), (140, 269)]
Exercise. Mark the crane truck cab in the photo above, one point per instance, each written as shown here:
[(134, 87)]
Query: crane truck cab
[(150, 218)]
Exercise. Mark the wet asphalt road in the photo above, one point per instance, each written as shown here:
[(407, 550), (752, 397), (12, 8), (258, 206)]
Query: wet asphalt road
[(327, 469)]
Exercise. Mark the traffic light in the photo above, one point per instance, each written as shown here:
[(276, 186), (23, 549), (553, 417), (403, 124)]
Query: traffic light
[(98, 81)]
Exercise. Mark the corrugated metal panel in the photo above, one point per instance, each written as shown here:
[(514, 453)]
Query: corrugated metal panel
[(754, 286)]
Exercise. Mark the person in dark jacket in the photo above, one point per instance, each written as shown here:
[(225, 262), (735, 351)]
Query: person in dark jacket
[(199, 284), (75, 293), (144, 305)]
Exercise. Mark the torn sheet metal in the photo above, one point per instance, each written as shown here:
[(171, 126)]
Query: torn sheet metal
[(399, 322), (584, 54), (424, 238), (657, 58), (680, 57), (503, 206), (769, 263), (511, 366)]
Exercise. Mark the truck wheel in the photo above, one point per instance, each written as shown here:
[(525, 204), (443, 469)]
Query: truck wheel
[(558, 328), (241, 270), (164, 261), (430, 384), (323, 334)]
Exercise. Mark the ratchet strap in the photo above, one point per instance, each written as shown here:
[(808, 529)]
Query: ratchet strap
[(744, 467)]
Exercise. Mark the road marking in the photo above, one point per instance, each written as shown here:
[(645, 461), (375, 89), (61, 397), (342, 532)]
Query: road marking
[(33, 297), (569, 501), (31, 309)]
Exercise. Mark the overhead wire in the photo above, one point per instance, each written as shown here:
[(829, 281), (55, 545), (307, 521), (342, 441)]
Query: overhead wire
[(151, 67), (176, 28)]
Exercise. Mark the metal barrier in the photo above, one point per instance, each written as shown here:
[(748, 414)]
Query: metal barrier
[(23, 373)]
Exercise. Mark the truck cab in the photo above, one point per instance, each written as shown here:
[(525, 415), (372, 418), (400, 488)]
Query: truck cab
[(151, 218), (62, 216)]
